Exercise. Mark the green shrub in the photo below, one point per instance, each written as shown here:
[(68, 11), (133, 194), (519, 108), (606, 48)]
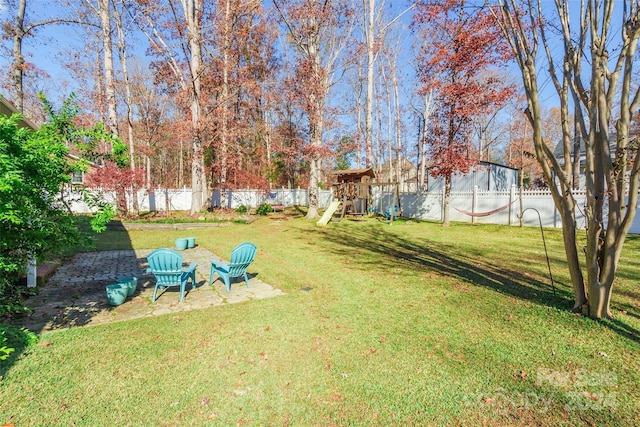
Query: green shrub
[(12, 338), (241, 210), (264, 209), (34, 166), (4, 350), (12, 295)]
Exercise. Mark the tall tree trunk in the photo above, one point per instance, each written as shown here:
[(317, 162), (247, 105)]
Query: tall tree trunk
[(370, 40), (122, 51), (99, 79), (267, 139), (318, 29), (389, 127), (17, 68), (224, 125), (104, 11), (360, 132), (315, 130), (192, 11), (428, 109), (577, 144), (446, 198), (398, 126)]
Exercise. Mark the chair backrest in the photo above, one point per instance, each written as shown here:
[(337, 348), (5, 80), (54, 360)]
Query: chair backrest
[(241, 256), (166, 266)]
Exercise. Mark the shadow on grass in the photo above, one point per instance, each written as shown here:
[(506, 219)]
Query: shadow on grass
[(18, 340), (453, 261), (74, 302)]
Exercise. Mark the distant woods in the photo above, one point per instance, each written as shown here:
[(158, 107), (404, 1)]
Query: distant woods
[(236, 94)]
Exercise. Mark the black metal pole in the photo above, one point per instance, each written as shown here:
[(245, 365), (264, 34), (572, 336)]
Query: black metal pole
[(545, 245)]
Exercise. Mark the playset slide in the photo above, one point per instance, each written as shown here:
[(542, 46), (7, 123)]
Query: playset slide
[(326, 217)]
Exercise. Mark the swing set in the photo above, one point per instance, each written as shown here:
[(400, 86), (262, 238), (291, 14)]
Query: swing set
[(390, 192), (352, 188)]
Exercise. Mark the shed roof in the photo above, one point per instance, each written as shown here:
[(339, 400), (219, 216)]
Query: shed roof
[(354, 172)]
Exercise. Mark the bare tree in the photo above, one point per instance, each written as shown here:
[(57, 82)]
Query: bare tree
[(606, 97), (17, 29), (429, 106), (153, 107), (122, 44), (102, 9), (188, 26), (319, 31), (374, 31)]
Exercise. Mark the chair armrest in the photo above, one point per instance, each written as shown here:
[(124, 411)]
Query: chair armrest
[(191, 268), (216, 264)]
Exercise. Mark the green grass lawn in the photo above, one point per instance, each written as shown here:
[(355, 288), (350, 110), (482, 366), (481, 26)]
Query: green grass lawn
[(403, 324)]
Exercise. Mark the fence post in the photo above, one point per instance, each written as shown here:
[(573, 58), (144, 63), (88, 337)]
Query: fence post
[(31, 272), (512, 197), (474, 203)]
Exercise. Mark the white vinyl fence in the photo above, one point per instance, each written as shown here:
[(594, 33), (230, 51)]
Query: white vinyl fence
[(490, 207), (156, 200), (283, 197), (159, 199)]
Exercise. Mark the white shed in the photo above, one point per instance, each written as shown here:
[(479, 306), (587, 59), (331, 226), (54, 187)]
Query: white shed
[(486, 176)]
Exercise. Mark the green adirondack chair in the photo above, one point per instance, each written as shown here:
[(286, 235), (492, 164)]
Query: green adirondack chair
[(241, 256), (166, 266)]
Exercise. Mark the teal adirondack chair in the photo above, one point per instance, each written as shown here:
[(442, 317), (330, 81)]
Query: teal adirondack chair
[(166, 266), (241, 256)]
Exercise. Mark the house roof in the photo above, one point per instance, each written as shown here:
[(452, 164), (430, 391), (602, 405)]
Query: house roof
[(405, 164), (92, 164), (8, 109), (558, 150)]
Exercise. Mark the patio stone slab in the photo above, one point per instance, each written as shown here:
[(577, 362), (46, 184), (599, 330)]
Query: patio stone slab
[(74, 295)]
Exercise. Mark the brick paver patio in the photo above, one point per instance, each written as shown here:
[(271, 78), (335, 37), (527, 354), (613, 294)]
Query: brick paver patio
[(75, 294)]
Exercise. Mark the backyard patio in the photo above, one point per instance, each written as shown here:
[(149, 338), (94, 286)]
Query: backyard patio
[(377, 324), (75, 293)]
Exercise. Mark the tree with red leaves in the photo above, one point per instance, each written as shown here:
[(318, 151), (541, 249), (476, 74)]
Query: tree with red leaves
[(460, 43), (111, 177)]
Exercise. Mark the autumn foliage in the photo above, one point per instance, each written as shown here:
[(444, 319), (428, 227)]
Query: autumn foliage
[(460, 46)]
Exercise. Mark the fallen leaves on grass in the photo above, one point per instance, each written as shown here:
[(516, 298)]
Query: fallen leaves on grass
[(336, 397)]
